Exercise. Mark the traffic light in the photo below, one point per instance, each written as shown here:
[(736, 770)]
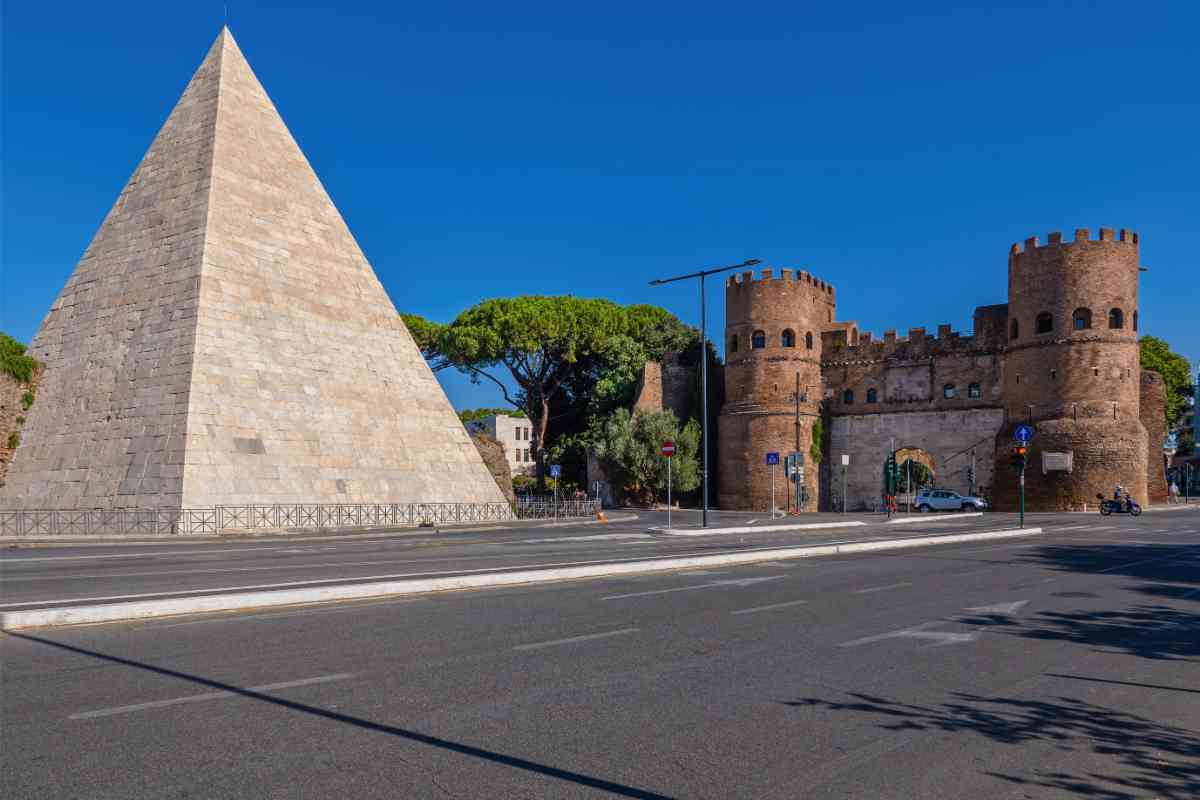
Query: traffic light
[(1020, 457), (891, 474)]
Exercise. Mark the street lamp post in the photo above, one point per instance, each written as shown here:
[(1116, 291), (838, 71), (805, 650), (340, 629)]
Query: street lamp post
[(701, 275)]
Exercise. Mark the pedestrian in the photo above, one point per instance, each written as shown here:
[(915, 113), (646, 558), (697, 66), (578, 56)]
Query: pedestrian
[(1174, 492)]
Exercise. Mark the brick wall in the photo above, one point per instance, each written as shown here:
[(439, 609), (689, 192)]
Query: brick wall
[(1154, 420)]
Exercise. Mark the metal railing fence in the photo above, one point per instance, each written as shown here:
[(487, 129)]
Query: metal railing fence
[(547, 508), (219, 519)]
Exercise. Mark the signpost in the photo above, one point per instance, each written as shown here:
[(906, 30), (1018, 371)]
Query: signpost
[(773, 462), (555, 472), (668, 450), (845, 463), (793, 467), (1020, 457)]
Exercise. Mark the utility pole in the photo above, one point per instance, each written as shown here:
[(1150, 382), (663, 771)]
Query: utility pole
[(972, 475), (701, 275)]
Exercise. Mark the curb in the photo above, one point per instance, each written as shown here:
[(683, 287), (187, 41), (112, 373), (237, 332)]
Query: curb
[(932, 518), (756, 528), (115, 612)]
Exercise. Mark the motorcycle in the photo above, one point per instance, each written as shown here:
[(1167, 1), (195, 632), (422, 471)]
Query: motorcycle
[(1125, 505)]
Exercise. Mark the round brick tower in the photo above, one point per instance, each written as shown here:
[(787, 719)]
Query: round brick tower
[(1071, 368), (772, 344)]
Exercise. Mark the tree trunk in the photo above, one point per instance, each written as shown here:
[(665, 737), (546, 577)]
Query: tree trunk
[(540, 421)]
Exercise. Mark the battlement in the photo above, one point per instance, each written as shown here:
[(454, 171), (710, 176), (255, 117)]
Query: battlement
[(1055, 239), (788, 278), (918, 344)]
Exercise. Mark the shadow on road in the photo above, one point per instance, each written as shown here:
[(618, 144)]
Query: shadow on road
[(1154, 760), (501, 759)]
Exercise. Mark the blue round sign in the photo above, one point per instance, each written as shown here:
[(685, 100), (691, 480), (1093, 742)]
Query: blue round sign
[(1023, 433)]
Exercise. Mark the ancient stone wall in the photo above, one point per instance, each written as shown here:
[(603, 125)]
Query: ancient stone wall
[(495, 458), (666, 385), (1154, 420), (947, 436), (772, 382)]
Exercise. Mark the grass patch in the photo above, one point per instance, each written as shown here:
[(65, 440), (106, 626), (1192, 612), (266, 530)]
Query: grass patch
[(13, 360)]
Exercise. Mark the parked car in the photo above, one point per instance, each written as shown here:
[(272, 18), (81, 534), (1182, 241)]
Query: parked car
[(942, 500)]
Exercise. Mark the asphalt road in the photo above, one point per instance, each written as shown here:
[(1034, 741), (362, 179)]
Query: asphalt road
[(1061, 666), (38, 577)]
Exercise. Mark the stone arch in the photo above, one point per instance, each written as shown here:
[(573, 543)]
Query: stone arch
[(923, 472)]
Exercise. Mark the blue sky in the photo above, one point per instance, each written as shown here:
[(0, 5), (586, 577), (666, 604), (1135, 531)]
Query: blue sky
[(896, 150)]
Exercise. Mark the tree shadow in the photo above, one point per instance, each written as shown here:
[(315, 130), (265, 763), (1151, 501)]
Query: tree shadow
[(376, 727), (1154, 760)]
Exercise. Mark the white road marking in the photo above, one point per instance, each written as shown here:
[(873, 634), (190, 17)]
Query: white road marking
[(1145, 561), (770, 607), (970, 572), (198, 698), (160, 554), (603, 537), (152, 625), (1005, 609), (713, 585), (701, 572), (917, 632), (881, 588), (574, 639)]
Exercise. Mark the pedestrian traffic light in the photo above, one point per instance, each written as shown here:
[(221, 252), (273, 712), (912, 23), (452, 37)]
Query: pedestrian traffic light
[(891, 474)]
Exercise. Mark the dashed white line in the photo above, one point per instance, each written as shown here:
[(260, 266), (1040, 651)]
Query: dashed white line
[(198, 698), (771, 607), (573, 639), (881, 588)]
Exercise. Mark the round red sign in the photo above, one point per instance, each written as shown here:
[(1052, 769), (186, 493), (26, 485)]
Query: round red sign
[(668, 449)]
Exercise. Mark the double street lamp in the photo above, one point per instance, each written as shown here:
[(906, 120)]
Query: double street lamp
[(701, 275)]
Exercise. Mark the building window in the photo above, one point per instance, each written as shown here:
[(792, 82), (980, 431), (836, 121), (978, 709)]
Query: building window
[(527, 458), (1081, 319), (758, 340), (733, 345), (1135, 320), (808, 341), (1016, 329), (848, 397), (1044, 323), (788, 339), (973, 391), (1116, 318), (949, 391), (872, 396), (1053, 374)]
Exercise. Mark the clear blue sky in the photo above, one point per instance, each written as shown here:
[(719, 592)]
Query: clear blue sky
[(487, 149)]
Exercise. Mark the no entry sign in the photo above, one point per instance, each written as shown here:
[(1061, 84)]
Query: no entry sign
[(668, 449)]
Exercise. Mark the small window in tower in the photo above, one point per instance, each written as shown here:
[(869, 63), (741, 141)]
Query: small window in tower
[(1116, 318), (1082, 319), (788, 339), (831, 315), (1135, 320), (949, 391), (1015, 330), (973, 391), (1044, 323), (848, 397), (1053, 374), (733, 345), (872, 396), (808, 340), (758, 340), (1018, 379)]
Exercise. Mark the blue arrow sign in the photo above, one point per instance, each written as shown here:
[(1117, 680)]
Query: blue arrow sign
[(555, 470), (1023, 434)]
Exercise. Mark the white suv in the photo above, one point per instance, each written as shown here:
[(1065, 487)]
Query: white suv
[(941, 500)]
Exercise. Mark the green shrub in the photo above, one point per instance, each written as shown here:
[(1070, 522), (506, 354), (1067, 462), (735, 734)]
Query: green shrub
[(13, 360), (20, 420), (27, 400), (14, 439)]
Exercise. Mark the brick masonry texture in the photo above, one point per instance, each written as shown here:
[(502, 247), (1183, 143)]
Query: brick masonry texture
[(948, 394), (223, 340), (1153, 410)]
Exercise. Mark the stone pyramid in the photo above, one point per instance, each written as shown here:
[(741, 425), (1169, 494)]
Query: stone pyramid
[(223, 340)]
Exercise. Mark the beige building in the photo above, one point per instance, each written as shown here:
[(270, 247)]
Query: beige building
[(515, 434)]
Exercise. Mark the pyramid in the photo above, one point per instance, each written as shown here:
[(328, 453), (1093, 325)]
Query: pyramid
[(224, 341)]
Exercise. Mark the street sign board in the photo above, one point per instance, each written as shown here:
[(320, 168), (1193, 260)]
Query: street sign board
[(1023, 433), (668, 449), (772, 459), (1058, 462), (845, 460), (555, 470)]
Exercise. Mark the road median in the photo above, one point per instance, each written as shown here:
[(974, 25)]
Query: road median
[(242, 601)]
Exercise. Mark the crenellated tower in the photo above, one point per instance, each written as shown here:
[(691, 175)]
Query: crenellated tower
[(772, 346), (1071, 368)]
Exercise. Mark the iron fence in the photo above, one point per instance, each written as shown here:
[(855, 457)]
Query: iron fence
[(548, 508), (220, 519)]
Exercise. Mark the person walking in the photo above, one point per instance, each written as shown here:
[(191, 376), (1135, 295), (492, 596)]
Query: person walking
[(1174, 491)]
